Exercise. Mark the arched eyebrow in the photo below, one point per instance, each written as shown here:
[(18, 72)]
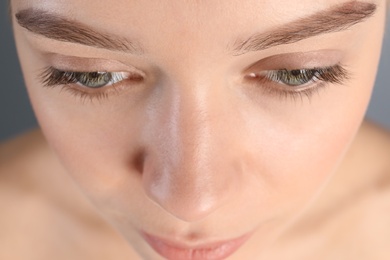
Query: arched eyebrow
[(56, 27), (334, 19)]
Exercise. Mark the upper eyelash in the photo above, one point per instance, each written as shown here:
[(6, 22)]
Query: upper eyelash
[(333, 74), (336, 74), (52, 77)]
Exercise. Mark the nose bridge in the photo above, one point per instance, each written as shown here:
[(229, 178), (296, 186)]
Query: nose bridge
[(187, 173)]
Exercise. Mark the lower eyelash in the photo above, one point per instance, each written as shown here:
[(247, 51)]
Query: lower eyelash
[(294, 95), (84, 96)]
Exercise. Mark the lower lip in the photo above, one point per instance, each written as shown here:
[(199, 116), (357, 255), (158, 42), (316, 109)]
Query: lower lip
[(214, 251)]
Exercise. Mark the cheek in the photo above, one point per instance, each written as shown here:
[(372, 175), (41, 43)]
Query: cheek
[(296, 148), (93, 145), (91, 140), (301, 145)]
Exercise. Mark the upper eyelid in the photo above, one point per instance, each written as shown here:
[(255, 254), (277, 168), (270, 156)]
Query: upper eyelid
[(298, 60), (98, 69), (265, 72), (333, 74), (71, 63), (90, 64), (54, 69)]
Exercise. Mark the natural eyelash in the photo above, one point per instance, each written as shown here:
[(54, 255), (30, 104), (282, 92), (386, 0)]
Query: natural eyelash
[(52, 77), (336, 74)]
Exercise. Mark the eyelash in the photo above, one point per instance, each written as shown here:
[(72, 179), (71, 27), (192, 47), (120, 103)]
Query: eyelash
[(52, 77), (316, 78), (68, 80)]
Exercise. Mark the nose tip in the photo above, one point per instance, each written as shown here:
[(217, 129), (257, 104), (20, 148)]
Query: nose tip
[(185, 196), (185, 208)]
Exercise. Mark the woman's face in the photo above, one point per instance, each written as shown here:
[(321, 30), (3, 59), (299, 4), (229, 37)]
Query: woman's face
[(200, 121)]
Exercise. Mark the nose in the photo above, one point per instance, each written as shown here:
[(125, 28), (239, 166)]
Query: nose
[(190, 168)]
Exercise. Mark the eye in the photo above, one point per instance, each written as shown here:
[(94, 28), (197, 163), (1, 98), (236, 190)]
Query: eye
[(98, 79), (91, 80), (294, 77), (298, 81), (89, 84), (301, 77)]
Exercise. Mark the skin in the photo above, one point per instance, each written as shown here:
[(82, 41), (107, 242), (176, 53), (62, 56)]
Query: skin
[(193, 153)]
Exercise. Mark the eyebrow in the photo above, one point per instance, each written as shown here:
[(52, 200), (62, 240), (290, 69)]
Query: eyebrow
[(59, 28), (334, 19)]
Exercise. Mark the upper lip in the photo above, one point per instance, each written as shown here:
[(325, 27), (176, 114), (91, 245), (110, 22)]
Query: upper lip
[(188, 245), (192, 245)]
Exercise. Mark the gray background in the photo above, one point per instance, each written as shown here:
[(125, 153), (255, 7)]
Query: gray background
[(16, 115)]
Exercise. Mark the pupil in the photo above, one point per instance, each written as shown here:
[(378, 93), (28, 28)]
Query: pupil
[(296, 72)]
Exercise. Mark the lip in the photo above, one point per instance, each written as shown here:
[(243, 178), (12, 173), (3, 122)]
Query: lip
[(211, 251)]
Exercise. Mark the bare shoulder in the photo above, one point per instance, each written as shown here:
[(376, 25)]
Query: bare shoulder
[(19, 163), (374, 141), (43, 214), (25, 162), (351, 217), (369, 156), (28, 191), (362, 226), (18, 157), (367, 162), (358, 219)]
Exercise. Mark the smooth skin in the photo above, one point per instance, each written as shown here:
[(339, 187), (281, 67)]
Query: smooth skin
[(193, 152)]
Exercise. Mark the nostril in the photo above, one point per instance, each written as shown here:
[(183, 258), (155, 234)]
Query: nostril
[(138, 161)]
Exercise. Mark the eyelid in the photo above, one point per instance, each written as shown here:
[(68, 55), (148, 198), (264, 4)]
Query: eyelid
[(84, 64), (297, 60)]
